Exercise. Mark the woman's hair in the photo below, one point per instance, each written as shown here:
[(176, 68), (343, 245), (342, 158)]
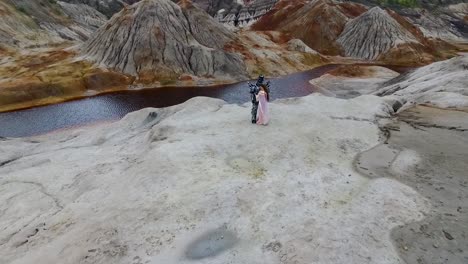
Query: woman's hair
[(265, 88)]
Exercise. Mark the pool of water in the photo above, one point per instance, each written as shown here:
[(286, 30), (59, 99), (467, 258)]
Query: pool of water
[(112, 106)]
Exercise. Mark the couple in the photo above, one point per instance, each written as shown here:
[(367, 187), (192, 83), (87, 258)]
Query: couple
[(260, 95)]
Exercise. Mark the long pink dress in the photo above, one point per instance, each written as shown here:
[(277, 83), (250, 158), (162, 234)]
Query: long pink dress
[(263, 114)]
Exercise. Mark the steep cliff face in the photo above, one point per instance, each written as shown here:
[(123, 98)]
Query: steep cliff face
[(160, 39)]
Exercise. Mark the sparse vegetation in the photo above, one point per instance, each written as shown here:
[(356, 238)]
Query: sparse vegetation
[(167, 82), (402, 3), (22, 10), (312, 59)]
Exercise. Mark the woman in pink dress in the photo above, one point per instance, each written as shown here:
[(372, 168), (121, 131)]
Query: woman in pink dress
[(263, 114)]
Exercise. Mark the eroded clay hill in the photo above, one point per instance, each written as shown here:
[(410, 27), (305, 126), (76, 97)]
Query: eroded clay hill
[(106, 7), (317, 23), (386, 36), (372, 34), (161, 39), (39, 22)]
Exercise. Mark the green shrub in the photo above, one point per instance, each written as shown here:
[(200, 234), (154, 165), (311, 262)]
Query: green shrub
[(22, 10)]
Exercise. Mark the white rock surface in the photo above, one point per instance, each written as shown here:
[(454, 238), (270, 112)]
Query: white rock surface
[(438, 25), (443, 84), (349, 87), (177, 184)]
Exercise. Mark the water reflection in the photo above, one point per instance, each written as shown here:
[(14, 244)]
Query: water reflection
[(113, 106)]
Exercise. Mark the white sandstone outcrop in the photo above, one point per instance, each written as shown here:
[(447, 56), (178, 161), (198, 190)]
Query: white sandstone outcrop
[(442, 84), (350, 81), (197, 181)]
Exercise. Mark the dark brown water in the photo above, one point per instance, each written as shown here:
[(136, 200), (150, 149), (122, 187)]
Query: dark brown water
[(112, 106)]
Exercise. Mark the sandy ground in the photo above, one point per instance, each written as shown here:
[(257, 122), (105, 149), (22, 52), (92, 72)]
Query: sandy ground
[(427, 149)]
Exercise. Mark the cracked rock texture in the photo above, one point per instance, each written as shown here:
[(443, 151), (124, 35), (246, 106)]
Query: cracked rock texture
[(372, 34), (164, 39), (197, 181)]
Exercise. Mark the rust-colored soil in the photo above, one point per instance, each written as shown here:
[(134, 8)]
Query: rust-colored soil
[(318, 24), (408, 26), (408, 54), (42, 77), (352, 9), (277, 15), (351, 71)]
